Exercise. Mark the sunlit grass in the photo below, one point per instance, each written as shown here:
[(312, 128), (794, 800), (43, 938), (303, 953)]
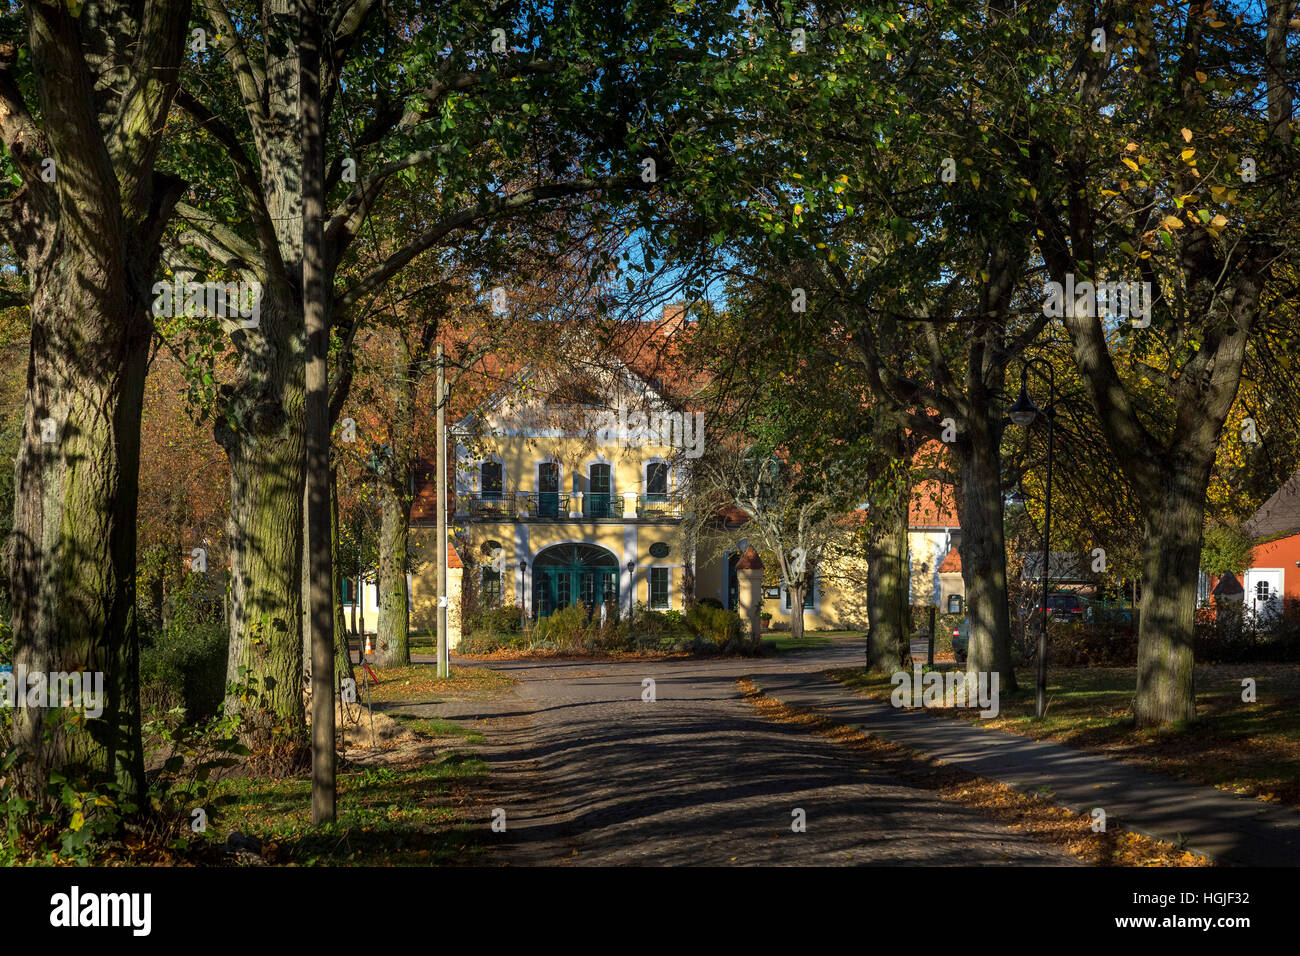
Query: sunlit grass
[(1250, 748)]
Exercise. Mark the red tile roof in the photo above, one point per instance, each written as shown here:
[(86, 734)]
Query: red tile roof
[(951, 562)]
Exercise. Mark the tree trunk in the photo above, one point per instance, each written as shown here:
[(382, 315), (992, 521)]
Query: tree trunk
[(89, 242), (265, 528), (796, 591), (72, 564), (984, 557), (342, 650), (392, 640), (888, 586), (1167, 626)]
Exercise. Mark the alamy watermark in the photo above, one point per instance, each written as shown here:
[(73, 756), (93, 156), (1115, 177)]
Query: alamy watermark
[(1131, 300), (83, 690), (224, 300), (953, 689), (684, 430)]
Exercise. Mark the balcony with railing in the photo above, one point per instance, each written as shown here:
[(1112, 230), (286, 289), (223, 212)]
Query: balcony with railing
[(571, 506)]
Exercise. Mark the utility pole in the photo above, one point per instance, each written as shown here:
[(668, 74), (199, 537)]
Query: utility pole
[(440, 463), (317, 438)]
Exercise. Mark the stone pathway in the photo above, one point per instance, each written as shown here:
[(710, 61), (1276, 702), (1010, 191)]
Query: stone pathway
[(589, 773), (1225, 827)]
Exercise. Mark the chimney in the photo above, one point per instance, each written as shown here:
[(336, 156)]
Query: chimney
[(674, 317)]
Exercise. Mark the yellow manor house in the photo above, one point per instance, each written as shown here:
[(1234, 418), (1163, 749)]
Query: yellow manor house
[(567, 492)]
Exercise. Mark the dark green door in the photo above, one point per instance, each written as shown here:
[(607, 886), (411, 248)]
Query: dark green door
[(548, 490), (598, 491), (574, 574)]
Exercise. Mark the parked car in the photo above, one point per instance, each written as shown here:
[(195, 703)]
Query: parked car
[(961, 640), (1062, 606)]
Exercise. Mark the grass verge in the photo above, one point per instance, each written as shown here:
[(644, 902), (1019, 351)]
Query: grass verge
[(1245, 748), (421, 681), (388, 816), (783, 643)]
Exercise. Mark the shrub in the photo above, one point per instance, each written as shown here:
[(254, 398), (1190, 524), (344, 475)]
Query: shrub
[(567, 629), (718, 625), (944, 623), (505, 619), (184, 664), (709, 602), (1076, 644), (1229, 636), (486, 643)]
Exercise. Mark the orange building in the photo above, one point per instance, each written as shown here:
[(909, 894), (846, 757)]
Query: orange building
[(1274, 574)]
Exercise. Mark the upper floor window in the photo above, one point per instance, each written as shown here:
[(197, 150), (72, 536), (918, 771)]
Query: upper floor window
[(954, 603), (491, 483), (548, 489), (599, 489), (656, 480)]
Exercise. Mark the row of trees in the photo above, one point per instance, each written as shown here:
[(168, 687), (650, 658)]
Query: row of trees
[(314, 154), (890, 190), (883, 192)]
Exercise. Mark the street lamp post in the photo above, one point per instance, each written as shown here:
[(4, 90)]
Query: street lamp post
[(1024, 412)]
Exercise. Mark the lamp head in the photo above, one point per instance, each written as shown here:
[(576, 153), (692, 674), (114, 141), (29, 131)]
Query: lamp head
[(1024, 411)]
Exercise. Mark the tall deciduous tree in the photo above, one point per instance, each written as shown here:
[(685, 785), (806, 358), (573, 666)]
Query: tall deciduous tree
[(1171, 161), (85, 225), (502, 109)]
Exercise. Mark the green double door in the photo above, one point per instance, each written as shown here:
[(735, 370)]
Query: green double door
[(556, 588)]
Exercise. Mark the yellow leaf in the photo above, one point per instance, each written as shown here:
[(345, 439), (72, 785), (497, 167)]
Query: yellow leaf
[(1219, 221), (1187, 135), (1130, 164), (1187, 154), (1172, 223), (1201, 77)]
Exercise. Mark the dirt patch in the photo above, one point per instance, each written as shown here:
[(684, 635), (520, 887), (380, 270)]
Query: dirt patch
[(367, 738)]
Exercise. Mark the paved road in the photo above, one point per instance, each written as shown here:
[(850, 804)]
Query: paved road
[(589, 773)]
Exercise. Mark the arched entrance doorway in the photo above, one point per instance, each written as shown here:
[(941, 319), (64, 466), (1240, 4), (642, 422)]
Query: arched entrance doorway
[(567, 574)]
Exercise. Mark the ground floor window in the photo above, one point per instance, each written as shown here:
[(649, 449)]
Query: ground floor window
[(807, 597), (954, 603), (491, 588), (660, 588)]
